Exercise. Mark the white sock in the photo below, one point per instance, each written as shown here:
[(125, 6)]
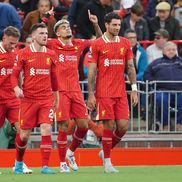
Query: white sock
[(107, 161), (69, 152)]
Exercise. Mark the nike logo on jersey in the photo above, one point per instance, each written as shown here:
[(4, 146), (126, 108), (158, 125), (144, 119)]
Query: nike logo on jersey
[(105, 51), (31, 60), (3, 60)]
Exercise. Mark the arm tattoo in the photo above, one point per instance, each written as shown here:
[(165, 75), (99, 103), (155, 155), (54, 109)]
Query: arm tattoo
[(91, 80), (131, 71)]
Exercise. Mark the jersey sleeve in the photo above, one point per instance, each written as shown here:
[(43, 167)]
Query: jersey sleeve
[(93, 54), (18, 65), (54, 79), (129, 53)]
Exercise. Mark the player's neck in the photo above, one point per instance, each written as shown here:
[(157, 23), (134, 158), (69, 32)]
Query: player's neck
[(110, 37), (65, 41), (38, 47)]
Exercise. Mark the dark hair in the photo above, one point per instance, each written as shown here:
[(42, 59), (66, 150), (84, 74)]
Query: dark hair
[(109, 16), (129, 31), (12, 31), (137, 9), (36, 26)]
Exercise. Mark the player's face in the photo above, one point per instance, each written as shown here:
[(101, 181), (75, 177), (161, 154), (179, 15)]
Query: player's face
[(113, 27), (9, 42), (64, 31), (40, 36)]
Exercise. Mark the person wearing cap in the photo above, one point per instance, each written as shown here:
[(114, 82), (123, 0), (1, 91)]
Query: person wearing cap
[(164, 20), (72, 104), (136, 22), (150, 9), (167, 68), (154, 51)]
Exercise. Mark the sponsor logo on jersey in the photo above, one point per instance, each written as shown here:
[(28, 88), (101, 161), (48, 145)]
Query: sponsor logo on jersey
[(110, 62), (4, 71), (76, 48), (34, 72), (63, 58)]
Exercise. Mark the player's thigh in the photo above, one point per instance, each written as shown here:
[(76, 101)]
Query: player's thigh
[(63, 112), (3, 111), (13, 112), (46, 112), (28, 115), (105, 108), (78, 106), (121, 109)]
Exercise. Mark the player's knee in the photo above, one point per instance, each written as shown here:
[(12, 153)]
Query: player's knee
[(63, 126), (45, 129), (82, 123), (123, 126)]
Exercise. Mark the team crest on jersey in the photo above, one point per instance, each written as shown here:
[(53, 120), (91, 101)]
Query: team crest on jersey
[(122, 51), (48, 61), (59, 114), (21, 122), (103, 113)]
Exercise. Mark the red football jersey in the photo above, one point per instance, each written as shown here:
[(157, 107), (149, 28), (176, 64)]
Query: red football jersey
[(6, 65), (67, 67), (39, 71), (110, 58)]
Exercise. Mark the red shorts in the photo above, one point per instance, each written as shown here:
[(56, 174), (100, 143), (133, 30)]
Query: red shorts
[(71, 105), (33, 114), (112, 108), (9, 110)]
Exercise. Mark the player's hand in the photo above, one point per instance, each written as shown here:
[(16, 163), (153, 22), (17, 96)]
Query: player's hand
[(18, 92), (92, 18), (91, 102), (134, 98)]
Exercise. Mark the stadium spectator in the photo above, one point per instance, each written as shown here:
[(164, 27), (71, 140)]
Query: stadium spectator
[(151, 7), (109, 56), (166, 21), (140, 57), (154, 51), (72, 103), (98, 8), (74, 12), (9, 17), (61, 10), (136, 22), (39, 95), (38, 16), (167, 68), (9, 104)]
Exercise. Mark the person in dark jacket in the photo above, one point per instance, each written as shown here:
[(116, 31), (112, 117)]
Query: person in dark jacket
[(168, 68), (136, 22), (166, 21), (97, 7)]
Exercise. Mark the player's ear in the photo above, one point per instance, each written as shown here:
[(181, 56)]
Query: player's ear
[(57, 34)]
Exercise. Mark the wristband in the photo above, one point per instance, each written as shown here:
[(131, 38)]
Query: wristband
[(134, 87)]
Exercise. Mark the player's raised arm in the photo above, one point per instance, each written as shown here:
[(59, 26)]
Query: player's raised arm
[(94, 20)]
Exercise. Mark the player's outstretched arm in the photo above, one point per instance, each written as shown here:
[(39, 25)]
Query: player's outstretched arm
[(132, 78), (91, 81)]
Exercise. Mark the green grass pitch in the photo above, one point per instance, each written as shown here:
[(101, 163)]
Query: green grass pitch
[(96, 174)]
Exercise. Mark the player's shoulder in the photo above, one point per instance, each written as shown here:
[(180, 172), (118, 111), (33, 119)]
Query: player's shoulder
[(50, 51), (76, 41), (24, 51), (123, 39), (98, 41)]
